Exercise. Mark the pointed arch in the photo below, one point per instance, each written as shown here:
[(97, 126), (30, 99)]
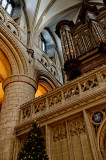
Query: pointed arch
[(47, 79), (101, 139), (13, 52)]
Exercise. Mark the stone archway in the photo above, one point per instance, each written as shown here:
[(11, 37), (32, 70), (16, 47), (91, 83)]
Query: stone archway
[(5, 71), (19, 87), (101, 140)]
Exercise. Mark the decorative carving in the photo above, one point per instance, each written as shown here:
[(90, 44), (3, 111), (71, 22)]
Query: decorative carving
[(89, 83), (12, 26), (101, 136), (2, 16), (59, 133), (26, 112), (39, 107), (97, 118), (71, 91), (102, 139), (55, 99), (76, 127), (104, 75), (31, 55), (45, 61), (84, 41)]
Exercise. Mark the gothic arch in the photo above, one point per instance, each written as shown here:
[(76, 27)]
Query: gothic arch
[(47, 79), (101, 140), (13, 52)]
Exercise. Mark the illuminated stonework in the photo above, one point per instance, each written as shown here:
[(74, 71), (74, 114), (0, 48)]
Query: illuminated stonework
[(42, 89), (1, 93), (3, 75)]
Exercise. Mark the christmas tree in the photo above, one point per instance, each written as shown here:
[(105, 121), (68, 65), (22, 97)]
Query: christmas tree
[(34, 148)]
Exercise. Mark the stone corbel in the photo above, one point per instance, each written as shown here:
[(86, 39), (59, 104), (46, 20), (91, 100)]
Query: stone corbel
[(30, 54)]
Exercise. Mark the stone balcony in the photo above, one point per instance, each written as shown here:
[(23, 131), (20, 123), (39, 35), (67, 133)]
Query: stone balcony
[(74, 95)]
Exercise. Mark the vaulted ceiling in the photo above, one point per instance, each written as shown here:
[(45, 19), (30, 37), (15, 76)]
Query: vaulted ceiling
[(43, 12), (47, 13)]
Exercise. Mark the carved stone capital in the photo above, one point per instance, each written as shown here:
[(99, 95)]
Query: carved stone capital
[(20, 78)]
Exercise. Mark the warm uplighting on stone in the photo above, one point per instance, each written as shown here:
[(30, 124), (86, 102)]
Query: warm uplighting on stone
[(3, 75), (1, 93), (3, 72), (42, 89)]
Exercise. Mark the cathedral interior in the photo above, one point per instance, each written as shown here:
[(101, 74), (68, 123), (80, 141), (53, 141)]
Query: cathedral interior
[(53, 70)]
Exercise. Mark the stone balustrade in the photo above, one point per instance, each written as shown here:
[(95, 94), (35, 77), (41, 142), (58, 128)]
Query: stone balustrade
[(64, 94), (45, 62), (13, 27)]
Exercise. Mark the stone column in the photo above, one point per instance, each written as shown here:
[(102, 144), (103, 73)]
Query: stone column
[(47, 128), (18, 89), (90, 135)]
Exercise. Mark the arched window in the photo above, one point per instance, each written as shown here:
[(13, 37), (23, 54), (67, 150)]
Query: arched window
[(7, 5), (43, 43), (47, 44), (9, 8)]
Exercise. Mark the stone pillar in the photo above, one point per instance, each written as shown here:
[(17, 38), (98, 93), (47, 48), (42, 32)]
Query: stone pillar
[(18, 89), (48, 140), (63, 30), (90, 135)]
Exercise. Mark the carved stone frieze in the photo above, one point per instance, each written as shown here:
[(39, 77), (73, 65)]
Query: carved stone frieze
[(76, 127), (59, 132)]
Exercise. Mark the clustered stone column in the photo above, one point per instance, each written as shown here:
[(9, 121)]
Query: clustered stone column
[(63, 30), (18, 89)]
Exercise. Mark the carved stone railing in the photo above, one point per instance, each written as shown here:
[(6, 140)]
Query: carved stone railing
[(13, 27), (72, 90), (45, 62)]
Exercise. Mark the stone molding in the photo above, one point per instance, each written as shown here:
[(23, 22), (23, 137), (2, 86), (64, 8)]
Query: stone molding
[(41, 74), (10, 45), (101, 137), (20, 78), (13, 26)]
